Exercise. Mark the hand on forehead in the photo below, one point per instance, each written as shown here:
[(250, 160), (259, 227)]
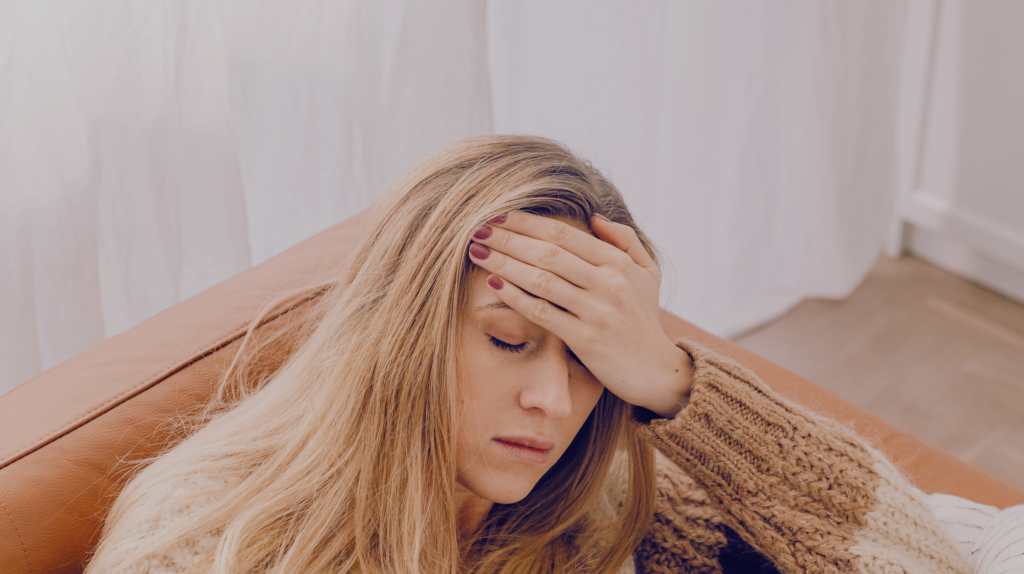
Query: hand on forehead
[(596, 292)]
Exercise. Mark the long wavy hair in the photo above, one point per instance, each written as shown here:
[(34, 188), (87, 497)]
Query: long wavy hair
[(343, 459)]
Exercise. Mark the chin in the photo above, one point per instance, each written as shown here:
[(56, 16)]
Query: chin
[(501, 490), (508, 498)]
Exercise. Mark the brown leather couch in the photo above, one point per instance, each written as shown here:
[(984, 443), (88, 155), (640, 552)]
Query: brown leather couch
[(63, 433)]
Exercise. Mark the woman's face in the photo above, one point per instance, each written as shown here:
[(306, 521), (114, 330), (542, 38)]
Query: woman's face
[(518, 383)]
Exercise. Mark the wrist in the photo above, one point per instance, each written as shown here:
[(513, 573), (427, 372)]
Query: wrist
[(676, 381)]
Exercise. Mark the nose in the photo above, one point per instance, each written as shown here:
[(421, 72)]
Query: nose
[(547, 387)]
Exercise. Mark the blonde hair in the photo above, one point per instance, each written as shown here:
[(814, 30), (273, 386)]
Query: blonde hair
[(343, 460)]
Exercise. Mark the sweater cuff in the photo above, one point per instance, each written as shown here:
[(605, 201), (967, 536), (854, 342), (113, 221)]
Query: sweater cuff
[(735, 425)]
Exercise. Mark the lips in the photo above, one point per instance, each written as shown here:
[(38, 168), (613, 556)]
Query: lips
[(533, 450), (530, 442)]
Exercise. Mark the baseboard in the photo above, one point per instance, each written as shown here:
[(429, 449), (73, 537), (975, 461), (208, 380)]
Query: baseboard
[(965, 259), (935, 215)]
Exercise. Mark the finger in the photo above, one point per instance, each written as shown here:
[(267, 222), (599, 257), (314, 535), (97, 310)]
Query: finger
[(578, 242), (536, 310), (624, 237), (540, 254), (539, 282)]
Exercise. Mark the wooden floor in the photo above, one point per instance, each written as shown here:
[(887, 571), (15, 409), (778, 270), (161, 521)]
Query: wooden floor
[(925, 350)]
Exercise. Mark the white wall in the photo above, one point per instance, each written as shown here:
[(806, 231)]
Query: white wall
[(964, 206)]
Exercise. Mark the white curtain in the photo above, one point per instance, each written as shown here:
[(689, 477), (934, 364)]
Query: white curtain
[(149, 149)]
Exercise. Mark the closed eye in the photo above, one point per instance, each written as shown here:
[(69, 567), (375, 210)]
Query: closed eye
[(519, 349), (508, 346)]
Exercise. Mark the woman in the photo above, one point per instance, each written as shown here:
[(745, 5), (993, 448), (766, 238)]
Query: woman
[(484, 389)]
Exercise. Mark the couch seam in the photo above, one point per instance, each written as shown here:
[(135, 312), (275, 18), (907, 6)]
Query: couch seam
[(195, 367), (118, 400), (18, 534)]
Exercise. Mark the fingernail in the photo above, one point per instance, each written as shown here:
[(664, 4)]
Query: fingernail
[(495, 282), (483, 233), (602, 218), (499, 218), (479, 251)]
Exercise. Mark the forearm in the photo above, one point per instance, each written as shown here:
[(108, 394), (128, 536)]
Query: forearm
[(799, 488)]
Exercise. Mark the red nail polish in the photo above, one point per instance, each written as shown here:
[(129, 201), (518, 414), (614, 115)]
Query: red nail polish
[(602, 218), (479, 251), (499, 218), (495, 282), (483, 233)]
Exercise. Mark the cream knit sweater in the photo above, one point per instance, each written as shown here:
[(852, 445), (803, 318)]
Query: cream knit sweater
[(747, 482)]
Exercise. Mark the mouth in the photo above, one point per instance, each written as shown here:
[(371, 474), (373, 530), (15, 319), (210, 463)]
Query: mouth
[(526, 449)]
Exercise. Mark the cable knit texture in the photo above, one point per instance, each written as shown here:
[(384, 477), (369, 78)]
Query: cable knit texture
[(800, 489), (686, 534), (740, 466)]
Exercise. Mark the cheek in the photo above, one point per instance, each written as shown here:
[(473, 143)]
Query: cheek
[(480, 379), (586, 390), (483, 402), (585, 386)]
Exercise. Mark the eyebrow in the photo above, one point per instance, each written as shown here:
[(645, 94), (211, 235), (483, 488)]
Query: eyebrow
[(499, 305)]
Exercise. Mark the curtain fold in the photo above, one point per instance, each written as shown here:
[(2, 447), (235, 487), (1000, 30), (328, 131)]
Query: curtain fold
[(754, 141), (151, 149)]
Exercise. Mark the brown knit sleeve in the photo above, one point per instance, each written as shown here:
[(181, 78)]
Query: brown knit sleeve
[(686, 534), (800, 489)]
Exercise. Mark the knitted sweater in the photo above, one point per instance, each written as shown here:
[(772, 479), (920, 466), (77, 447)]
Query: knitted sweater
[(747, 482), (808, 495)]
